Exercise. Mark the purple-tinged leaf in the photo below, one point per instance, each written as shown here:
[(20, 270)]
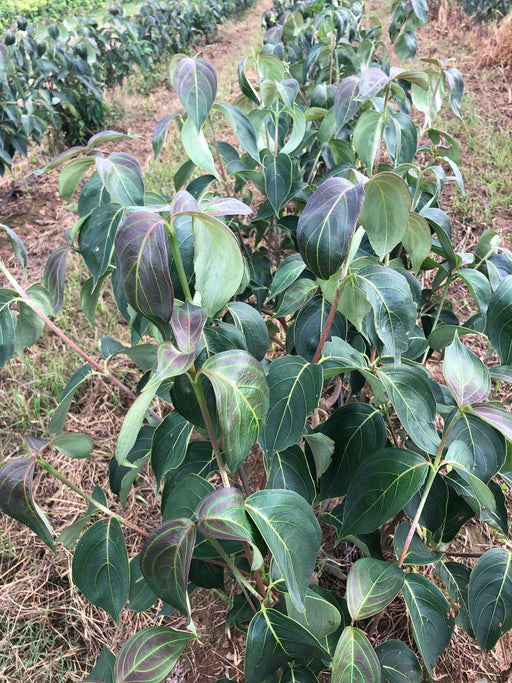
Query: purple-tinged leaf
[(327, 223), (277, 172), (54, 274), (61, 158), (16, 499), (355, 659), (501, 373), (72, 175), (143, 265), (17, 245), (456, 85), (499, 320), (182, 202), (34, 444), (160, 134), (465, 374), (165, 561), (242, 396), (495, 415), (288, 90), (169, 445), (225, 206), (221, 514), (195, 81), (108, 136), (346, 104), (371, 585), (187, 323), (101, 568), (96, 238), (121, 175), (149, 655), (372, 82)]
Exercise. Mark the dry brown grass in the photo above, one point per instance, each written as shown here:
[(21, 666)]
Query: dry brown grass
[(497, 48)]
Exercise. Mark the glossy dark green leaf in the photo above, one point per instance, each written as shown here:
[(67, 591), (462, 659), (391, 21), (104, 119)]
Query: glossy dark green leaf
[(418, 553), (327, 223), (371, 586), (243, 127), (273, 640), (487, 446), (398, 662), (140, 596), (309, 325), (346, 103), (289, 469), (58, 419), (295, 386), (455, 577), (298, 674), (461, 478), (381, 487), (29, 325), (186, 496), (358, 431), (497, 518), (385, 211), (322, 450), (417, 240), (121, 175), (414, 403), (490, 597), (54, 274), (241, 392), (455, 83), (96, 238), (73, 444), (143, 265), (296, 296), (401, 137), (17, 501), (499, 321), (465, 373), (435, 510), (104, 668), (6, 326), (277, 172), (290, 529), (121, 477), (160, 134), (478, 286), (71, 176), (367, 137), (286, 274), (321, 617), (165, 561), (338, 356), (100, 566), (355, 659), (149, 655), (373, 80), (393, 307), (195, 81), (221, 514), (247, 319), (132, 424), (169, 446), (431, 617)]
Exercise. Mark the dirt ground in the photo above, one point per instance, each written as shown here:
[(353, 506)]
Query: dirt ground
[(35, 586)]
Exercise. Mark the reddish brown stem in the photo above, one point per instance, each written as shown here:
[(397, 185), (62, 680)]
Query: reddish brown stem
[(327, 328)]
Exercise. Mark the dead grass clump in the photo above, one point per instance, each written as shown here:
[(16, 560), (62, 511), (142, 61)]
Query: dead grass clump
[(497, 48)]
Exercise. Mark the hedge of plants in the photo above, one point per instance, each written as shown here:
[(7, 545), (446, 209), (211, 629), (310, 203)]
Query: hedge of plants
[(38, 9), (56, 75), (299, 329)]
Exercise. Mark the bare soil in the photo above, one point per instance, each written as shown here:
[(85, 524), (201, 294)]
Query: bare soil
[(35, 586)]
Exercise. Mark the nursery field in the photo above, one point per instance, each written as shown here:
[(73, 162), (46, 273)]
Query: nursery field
[(253, 312)]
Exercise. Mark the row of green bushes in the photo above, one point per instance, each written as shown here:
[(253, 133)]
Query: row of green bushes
[(35, 9), (56, 77)]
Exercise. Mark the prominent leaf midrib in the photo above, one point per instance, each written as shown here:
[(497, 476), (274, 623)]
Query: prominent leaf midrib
[(496, 600)]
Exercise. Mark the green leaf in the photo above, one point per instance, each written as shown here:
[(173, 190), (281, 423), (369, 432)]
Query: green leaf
[(196, 147), (381, 487), (358, 431), (273, 640), (414, 403), (355, 659), (121, 175), (295, 386), (73, 444), (72, 174), (496, 416), (321, 618), (289, 469), (6, 326), (296, 296), (290, 529), (277, 172), (242, 397), (221, 515), (499, 320), (122, 477), (247, 319), (132, 424), (490, 597), (465, 374), (417, 554), (195, 81), (385, 211), (189, 492), (241, 124), (478, 285), (466, 484), (96, 238), (309, 325), (326, 225), (286, 274), (143, 265), (140, 597), (322, 448), (371, 586), (353, 303), (345, 103), (398, 662), (169, 446), (17, 501), (165, 561), (456, 577), (367, 137), (160, 134), (58, 419), (431, 618), (100, 566), (417, 240), (393, 307), (218, 262), (54, 274), (104, 669), (149, 655)]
